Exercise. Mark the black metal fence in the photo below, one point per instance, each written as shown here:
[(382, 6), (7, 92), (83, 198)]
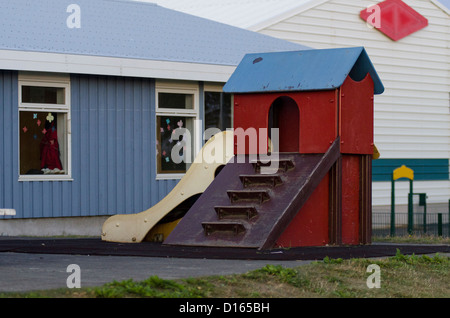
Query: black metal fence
[(436, 224)]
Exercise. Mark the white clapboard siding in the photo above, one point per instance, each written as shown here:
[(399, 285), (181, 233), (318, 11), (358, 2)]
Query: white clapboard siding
[(412, 116)]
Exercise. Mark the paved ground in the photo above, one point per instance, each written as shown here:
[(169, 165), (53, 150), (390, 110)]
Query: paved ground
[(25, 272), (41, 263)]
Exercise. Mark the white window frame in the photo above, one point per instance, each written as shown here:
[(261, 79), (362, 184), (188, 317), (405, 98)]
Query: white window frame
[(178, 87), (48, 80)]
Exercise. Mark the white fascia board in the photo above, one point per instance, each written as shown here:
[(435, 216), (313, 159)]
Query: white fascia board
[(307, 6), (287, 14), (98, 65), (441, 6)]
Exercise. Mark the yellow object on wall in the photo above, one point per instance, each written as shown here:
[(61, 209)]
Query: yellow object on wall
[(403, 172), (376, 153)]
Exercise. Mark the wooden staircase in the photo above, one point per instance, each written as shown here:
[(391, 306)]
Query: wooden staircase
[(244, 207), (245, 204)]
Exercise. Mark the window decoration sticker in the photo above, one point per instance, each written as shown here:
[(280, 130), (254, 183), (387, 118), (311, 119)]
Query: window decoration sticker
[(167, 141), (25, 129), (35, 116), (50, 117), (39, 122), (44, 131)]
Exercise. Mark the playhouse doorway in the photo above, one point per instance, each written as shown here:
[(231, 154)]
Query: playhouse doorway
[(284, 115)]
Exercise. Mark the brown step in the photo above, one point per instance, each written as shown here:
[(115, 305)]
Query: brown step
[(248, 195), (282, 164), (230, 227), (236, 212), (260, 180)]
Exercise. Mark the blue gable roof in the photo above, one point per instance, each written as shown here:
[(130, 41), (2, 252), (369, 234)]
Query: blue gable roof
[(127, 29), (302, 71)]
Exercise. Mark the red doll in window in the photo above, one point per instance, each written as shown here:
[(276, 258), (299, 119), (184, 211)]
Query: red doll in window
[(50, 150)]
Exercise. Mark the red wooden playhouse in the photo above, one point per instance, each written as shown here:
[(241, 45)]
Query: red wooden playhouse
[(321, 101)]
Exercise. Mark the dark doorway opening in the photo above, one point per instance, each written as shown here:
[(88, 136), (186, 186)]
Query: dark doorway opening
[(284, 115)]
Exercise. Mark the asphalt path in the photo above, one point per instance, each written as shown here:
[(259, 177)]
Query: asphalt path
[(20, 272), (40, 264)]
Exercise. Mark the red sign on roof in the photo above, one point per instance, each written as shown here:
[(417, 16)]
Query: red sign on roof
[(394, 18)]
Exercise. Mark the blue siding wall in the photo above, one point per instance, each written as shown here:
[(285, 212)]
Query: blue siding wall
[(9, 188), (113, 152)]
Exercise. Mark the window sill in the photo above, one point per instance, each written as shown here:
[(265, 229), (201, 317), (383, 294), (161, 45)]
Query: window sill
[(169, 176), (45, 178)]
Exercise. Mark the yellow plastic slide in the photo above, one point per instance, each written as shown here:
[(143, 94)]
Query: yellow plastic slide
[(134, 228)]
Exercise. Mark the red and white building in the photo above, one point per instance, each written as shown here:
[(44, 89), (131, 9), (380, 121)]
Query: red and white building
[(409, 44)]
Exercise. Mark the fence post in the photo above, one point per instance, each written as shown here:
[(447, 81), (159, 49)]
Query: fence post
[(439, 224), (423, 202), (393, 206), (410, 214)]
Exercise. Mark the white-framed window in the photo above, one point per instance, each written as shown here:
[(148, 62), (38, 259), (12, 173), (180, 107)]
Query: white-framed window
[(177, 112), (44, 127)]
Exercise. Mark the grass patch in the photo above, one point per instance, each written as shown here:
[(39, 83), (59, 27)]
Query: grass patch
[(401, 276), (153, 287)]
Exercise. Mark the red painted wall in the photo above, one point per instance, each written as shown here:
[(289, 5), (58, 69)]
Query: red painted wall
[(356, 116), (310, 226), (318, 125), (317, 110), (323, 115), (350, 198)]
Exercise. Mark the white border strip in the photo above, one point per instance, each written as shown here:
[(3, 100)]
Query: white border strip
[(7, 212), (441, 6), (98, 65)]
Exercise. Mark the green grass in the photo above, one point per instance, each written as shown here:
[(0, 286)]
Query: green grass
[(401, 277)]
